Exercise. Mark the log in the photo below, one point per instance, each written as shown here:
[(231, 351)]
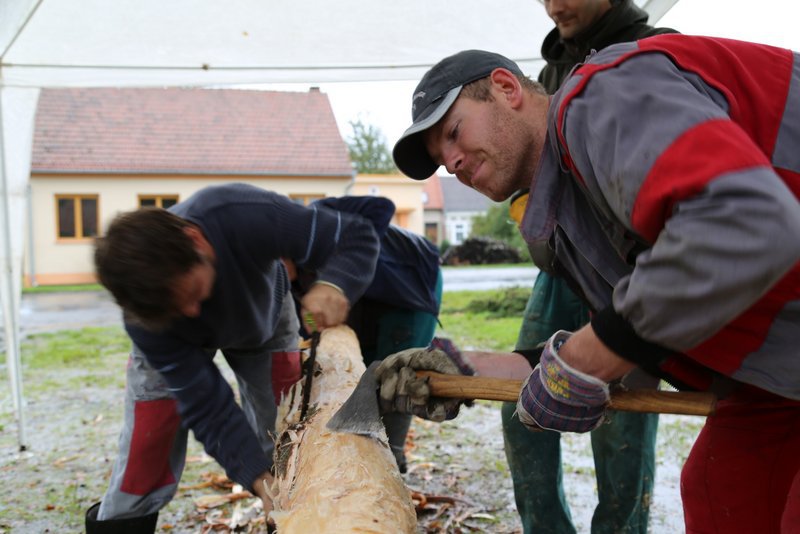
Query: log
[(330, 482)]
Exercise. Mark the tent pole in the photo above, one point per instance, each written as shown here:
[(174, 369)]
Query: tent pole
[(10, 315)]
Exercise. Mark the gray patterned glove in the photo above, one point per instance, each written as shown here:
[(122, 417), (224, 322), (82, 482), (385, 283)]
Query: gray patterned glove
[(401, 390), (557, 397)]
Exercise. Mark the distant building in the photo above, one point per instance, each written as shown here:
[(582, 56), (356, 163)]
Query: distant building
[(433, 205), (100, 151), (450, 208)]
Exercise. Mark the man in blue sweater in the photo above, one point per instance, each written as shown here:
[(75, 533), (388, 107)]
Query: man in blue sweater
[(400, 307), (203, 276)]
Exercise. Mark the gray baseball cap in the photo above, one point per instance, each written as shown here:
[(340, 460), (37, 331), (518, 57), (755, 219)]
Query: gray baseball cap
[(434, 95)]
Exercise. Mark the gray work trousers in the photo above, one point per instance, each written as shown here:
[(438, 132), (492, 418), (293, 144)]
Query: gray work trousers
[(152, 443)]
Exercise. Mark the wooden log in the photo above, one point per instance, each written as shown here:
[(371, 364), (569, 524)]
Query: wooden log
[(330, 482)]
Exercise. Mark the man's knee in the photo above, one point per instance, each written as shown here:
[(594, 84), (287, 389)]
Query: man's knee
[(148, 467), (286, 370)]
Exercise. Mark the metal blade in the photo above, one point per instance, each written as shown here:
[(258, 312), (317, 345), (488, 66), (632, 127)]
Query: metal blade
[(309, 374), (360, 413)]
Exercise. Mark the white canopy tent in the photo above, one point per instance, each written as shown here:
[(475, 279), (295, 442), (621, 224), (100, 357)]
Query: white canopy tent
[(125, 43)]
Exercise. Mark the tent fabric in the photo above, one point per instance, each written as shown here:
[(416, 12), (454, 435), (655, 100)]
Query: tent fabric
[(184, 43), (17, 107), (202, 42)]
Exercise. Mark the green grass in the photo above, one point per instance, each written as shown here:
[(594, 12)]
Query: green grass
[(74, 348), (62, 289), (483, 320)]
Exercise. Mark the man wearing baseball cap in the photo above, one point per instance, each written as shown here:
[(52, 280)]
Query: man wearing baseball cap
[(664, 183)]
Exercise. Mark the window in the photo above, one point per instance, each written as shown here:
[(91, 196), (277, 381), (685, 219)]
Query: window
[(160, 201), (76, 216), (460, 232), (305, 199), (432, 232)]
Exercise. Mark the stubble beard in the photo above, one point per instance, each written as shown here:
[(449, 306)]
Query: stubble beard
[(515, 164)]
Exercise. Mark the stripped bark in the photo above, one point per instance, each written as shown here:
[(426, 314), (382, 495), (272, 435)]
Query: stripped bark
[(330, 482)]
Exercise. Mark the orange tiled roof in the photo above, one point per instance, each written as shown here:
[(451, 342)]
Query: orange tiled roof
[(171, 130)]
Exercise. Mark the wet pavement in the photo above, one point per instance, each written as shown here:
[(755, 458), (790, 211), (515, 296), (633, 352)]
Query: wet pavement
[(483, 278), (50, 312)]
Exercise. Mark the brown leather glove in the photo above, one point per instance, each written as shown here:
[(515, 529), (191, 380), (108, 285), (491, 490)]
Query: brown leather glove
[(401, 390)]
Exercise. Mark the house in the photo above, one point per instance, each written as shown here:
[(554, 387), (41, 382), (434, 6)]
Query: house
[(433, 204), (100, 151), (406, 194), (450, 208)]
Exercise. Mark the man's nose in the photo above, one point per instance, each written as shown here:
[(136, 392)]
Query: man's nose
[(554, 7), (453, 160), (191, 309)]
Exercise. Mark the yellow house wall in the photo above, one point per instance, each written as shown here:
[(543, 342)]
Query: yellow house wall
[(404, 192), (59, 261)]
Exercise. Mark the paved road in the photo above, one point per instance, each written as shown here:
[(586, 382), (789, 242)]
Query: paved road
[(478, 279), (47, 312)]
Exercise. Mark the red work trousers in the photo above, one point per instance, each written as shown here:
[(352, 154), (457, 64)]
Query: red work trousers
[(743, 473)]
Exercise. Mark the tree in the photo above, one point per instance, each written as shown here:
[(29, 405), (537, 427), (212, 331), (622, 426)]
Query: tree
[(368, 149), (497, 223)]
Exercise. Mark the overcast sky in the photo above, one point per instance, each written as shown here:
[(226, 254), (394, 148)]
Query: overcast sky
[(387, 104)]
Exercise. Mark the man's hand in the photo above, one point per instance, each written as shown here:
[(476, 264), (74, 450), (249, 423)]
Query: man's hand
[(326, 304), (260, 486), (401, 390), (558, 397)]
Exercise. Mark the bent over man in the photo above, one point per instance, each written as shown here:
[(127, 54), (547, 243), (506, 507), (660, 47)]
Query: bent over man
[(203, 276), (664, 182)]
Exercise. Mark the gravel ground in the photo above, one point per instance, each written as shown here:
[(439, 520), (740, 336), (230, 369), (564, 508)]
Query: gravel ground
[(73, 419)]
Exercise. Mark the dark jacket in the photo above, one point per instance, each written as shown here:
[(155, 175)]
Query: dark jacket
[(408, 264), (622, 23)]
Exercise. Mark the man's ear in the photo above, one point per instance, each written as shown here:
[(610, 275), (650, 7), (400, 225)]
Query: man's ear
[(195, 235), (507, 86), (199, 241)]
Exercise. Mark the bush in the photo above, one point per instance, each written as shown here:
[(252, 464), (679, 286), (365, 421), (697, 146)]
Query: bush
[(510, 302), (481, 251)]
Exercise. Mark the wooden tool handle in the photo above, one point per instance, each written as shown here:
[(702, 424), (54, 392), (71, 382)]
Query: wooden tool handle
[(505, 389)]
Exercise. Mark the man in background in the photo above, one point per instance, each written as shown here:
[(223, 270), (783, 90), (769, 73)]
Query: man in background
[(399, 308)]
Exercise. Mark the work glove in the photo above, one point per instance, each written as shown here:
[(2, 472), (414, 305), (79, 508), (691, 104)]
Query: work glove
[(557, 397), (401, 390)]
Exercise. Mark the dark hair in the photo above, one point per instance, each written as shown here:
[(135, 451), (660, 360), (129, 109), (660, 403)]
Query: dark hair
[(138, 259)]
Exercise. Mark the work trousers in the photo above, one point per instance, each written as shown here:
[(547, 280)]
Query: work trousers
[(152, 443), (624, 460), (383, 330), (623, 447), (743, 473)]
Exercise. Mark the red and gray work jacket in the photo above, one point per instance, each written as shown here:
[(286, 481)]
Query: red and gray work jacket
[(667, 194)]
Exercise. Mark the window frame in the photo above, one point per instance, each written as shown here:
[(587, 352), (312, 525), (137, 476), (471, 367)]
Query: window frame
[(77, 203), (158, 198), (306, 198)]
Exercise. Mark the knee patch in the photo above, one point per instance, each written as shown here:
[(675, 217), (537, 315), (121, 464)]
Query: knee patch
[(148, 467)]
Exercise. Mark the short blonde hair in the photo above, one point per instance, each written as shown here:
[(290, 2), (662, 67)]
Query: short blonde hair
[(481, 89)]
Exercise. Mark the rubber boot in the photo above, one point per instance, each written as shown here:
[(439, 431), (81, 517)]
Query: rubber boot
[(132, 525), (396, 430)]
